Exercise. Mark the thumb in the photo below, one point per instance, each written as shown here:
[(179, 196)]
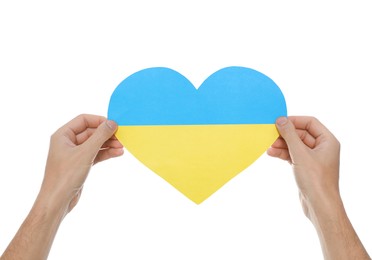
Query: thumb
[(288, 132), (103, 132)]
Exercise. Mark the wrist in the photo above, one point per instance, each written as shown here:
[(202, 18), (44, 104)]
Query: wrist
[(323, 208), (57, 195), (51, 204)]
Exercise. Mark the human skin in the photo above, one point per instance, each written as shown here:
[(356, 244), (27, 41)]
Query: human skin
[(86, 140), (74, 148), (314, 153)]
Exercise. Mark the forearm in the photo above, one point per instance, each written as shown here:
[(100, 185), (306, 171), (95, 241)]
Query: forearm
[(336, 233), (35, 236)]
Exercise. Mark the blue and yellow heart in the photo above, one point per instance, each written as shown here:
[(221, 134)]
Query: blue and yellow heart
[(197, 139)]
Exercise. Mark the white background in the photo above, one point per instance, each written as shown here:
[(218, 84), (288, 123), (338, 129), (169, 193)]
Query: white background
[(62, 58)]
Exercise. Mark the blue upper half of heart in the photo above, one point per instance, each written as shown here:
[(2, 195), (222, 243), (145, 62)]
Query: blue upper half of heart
[(162, 96)]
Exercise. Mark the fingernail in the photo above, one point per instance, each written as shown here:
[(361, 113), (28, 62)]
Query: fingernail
[(111, 124), (281, 121)]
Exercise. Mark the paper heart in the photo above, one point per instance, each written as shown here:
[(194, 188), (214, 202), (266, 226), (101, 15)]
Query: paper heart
[(197, 139)]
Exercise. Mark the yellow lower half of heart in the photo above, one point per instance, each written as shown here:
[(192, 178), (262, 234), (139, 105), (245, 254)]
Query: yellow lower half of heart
[(197, 159)]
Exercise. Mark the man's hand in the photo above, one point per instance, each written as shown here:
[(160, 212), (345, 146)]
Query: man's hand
[(314, 154), (74, 148)]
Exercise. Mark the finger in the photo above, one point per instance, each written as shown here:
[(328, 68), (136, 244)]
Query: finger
[(83, 136), (80, 123), (103, 133), (310, 124), (288, 133), (108, 154), (279, 153), (111, 143), (280, 144), (306, 138)]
